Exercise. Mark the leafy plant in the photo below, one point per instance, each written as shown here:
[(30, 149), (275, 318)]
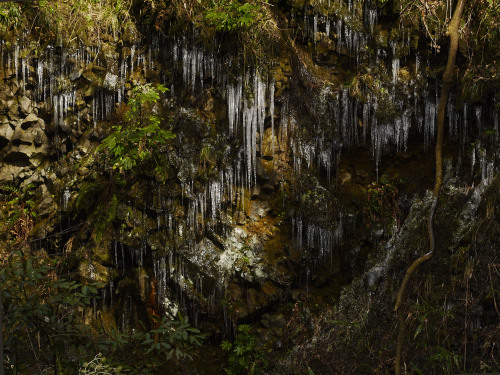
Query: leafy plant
[(19, 210), (382, 199), (244, 356), (9, 15), (228, 15), (171, 341), (172, 338), (44, 326), (446, 360), (40, 308), (87, 20), (99, 365), (141, 139)]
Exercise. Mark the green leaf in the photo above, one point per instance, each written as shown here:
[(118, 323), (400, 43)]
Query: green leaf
[(418, 330), (226, 345)]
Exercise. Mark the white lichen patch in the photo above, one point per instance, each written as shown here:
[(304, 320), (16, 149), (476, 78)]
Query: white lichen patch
[(240, 258)]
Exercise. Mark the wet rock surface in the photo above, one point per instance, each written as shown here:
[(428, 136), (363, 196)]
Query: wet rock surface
[(267, 209)]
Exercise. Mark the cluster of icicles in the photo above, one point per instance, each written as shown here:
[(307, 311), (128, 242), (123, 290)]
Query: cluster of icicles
[(247, 113), (315, 242), (251, 109)]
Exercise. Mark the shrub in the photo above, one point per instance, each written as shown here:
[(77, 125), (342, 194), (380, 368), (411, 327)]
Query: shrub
[(244, 356), (228, 15), (140, 140)]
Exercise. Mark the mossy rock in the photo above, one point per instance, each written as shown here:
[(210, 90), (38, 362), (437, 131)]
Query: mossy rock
[(93, 271)]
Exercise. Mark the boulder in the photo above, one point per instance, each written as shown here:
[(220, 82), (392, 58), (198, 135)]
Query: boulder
[(6, 134), (29, 121), (25, 105), (9, 172), (256, 191), (13, 111), (29, 136), (93, 271)]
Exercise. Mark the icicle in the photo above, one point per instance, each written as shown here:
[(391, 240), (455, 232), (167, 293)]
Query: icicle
[(372, 18), (451, 115), (406, 128), (123, 259), (473, 160), (495, 124), (132, 53), (55, 105), (395, 64), (194, 59), (483, 164), (39, 72), (186, 56), (479, 119), (429, 122), (271, 113), (116, 253), (261, 107), (16, 60), (366, 114), (315, 27), (234, 98), (464, 125), (111, 293), (490, 171), (66, 196), (24, 71), (339, 36)]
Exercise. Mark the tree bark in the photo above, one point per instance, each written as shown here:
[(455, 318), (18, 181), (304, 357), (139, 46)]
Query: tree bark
[(452, 32)]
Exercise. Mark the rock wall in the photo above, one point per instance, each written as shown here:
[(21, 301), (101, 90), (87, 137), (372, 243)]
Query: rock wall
[(266, 197)]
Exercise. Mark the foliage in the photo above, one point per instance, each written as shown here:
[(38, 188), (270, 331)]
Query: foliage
[(248, 20), (170, 340), (40, 308), (229, 15), (87, 20), (448, 361), (141, 140), (9, 15), (382, 199), (244, 356), (44, 326), (19, 211), (479, 31), (97, 201), (99, 365)]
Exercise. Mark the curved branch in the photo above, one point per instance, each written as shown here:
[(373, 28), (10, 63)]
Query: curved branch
[(452, 32)]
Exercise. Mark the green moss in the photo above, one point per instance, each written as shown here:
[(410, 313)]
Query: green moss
[(87, 197)]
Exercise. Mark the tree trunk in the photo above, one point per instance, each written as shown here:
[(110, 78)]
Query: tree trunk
[(452, 32)]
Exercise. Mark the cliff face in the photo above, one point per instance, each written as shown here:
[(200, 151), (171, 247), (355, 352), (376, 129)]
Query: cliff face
[(299, 175)]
